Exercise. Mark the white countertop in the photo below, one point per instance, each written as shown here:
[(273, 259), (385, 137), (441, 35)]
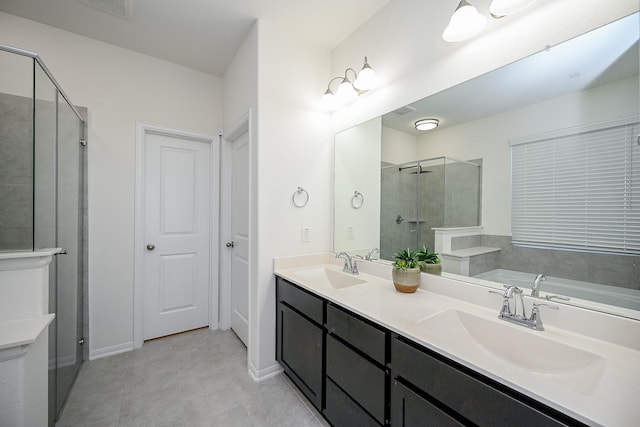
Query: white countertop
[(607, 398)]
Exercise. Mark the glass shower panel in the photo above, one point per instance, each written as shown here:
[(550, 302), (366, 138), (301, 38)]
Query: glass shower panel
[(16, 152), (44, 160), (430, 200), (44, 196), (69, 237), (462, 194)]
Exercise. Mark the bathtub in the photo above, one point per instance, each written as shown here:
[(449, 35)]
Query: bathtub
[(611, 295)]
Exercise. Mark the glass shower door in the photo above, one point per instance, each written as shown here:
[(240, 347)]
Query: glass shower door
[(69, 237)]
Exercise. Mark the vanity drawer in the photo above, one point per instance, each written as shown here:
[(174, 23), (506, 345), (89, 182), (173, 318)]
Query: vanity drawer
[(341, 410), (467, 395), (359, 333), (360, 378), (299, 299)]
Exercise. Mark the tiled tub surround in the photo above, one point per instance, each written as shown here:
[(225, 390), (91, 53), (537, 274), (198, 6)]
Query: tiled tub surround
[(615, 270), (611, 399)]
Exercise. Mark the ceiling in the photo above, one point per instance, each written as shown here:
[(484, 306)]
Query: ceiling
[(600, 56), (200, 34)]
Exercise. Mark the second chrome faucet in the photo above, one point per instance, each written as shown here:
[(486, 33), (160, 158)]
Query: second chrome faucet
[(518, 314), (350, 264)]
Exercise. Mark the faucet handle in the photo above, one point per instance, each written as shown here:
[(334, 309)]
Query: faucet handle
[(542, 304), (550, 297), (535, 320)]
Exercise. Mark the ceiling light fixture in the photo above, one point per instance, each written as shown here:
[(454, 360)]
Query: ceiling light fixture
[(347, 90), (502, 8), (465, 22), (427, 124)]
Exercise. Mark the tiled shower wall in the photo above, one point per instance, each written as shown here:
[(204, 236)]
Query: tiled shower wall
[(449, 196), (608, 269), (16, 167)]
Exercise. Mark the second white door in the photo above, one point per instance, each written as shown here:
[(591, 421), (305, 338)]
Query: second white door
[(240, 237), (177, 191)]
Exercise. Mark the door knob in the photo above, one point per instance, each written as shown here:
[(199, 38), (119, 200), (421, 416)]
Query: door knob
[(151, 247), (230, 244)]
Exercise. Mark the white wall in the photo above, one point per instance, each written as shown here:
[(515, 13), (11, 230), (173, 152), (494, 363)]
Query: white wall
[(294, 149), (398, 147), (357, 168), (404, 45), (119, 87), (488, 138)]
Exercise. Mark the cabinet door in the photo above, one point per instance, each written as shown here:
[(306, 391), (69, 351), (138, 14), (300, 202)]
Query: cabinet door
[(299, 352), (342, 411), (408, 409)]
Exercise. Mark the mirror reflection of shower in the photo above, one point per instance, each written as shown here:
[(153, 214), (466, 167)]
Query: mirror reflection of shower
[(420, 196)]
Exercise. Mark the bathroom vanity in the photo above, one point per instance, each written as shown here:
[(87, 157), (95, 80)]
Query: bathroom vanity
[(366, 355)]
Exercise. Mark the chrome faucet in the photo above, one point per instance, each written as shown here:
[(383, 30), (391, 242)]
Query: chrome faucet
[(535, 288), (369, 256), (518, 315), (350, 265)]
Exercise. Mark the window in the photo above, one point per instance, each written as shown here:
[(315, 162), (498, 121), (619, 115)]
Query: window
[(578, 190)]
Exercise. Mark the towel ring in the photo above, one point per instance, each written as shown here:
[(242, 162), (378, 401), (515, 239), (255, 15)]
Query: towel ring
[(357, 200), (300, 198)]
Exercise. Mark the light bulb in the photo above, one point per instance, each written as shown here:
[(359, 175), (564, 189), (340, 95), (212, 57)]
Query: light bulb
[(346, 90), (465, 22), (366, 79), (328, 101)]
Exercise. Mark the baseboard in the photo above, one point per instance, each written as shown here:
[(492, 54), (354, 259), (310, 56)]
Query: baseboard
[(263, 374), (110, 351)]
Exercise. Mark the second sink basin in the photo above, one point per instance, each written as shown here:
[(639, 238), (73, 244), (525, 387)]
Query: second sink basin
[(528, 350), (327, 277)]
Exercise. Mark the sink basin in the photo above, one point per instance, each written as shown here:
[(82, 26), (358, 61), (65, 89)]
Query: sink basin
[(327, 277), (514, 348)]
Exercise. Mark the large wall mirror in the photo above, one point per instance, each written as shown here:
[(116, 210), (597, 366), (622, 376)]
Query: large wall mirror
[(533, 169)]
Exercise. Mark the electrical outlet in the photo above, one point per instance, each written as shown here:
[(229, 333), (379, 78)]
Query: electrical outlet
[(306, 234), (350, 232)]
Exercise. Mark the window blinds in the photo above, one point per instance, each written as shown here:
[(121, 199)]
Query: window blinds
[(578, 191)]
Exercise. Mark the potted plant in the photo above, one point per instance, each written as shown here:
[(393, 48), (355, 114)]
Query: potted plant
[(406, 271), (429, 261)]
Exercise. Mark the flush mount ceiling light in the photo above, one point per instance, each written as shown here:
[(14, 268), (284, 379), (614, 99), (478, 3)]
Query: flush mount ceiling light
[(347, 90), (465, 22), (502, 8), (427, 124)]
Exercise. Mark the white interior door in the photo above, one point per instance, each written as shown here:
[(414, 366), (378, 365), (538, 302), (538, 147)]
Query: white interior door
[(177, 193), (240, 237)]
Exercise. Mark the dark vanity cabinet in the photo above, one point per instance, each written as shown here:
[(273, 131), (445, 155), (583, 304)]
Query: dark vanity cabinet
[(357, 373), (300, 338), (334, 357), (429, 389)]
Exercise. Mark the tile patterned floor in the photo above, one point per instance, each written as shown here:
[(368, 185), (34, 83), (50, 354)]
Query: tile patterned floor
[(198, 378)]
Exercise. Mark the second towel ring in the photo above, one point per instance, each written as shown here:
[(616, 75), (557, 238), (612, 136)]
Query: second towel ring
[(357, 200), (300, 198)]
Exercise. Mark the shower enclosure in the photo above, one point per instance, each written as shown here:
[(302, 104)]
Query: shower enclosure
[(418, 196), (42, 199)]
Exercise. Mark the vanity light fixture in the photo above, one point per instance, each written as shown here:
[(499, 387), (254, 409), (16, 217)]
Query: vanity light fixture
[(427, 124), (465, 22), (348, 90), (502, 8)]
